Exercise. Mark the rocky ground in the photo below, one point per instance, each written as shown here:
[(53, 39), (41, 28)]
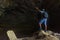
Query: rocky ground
[(49, 35)]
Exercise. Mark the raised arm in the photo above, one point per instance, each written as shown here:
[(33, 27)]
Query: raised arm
[(37, 9), (35, 6)]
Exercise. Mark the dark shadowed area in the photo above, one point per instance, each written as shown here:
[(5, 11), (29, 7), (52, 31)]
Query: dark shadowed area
[(21, 16)]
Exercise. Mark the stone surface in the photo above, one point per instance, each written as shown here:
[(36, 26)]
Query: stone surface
[(40, 36)]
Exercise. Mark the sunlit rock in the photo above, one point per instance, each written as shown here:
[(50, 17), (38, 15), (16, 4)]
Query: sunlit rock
[(11, 35)]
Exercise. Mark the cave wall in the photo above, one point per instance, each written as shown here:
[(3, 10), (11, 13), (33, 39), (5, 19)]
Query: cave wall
[(21, 15)]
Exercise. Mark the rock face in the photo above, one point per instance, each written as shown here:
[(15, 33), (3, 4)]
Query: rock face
[(49, 35)]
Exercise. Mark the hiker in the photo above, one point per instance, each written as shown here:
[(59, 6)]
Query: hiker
[(43, 19)]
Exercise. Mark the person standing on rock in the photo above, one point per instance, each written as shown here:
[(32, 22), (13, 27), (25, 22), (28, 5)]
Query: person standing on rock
[(44, 17)]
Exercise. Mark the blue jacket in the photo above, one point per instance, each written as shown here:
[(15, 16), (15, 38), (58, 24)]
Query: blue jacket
[(44, 14)]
